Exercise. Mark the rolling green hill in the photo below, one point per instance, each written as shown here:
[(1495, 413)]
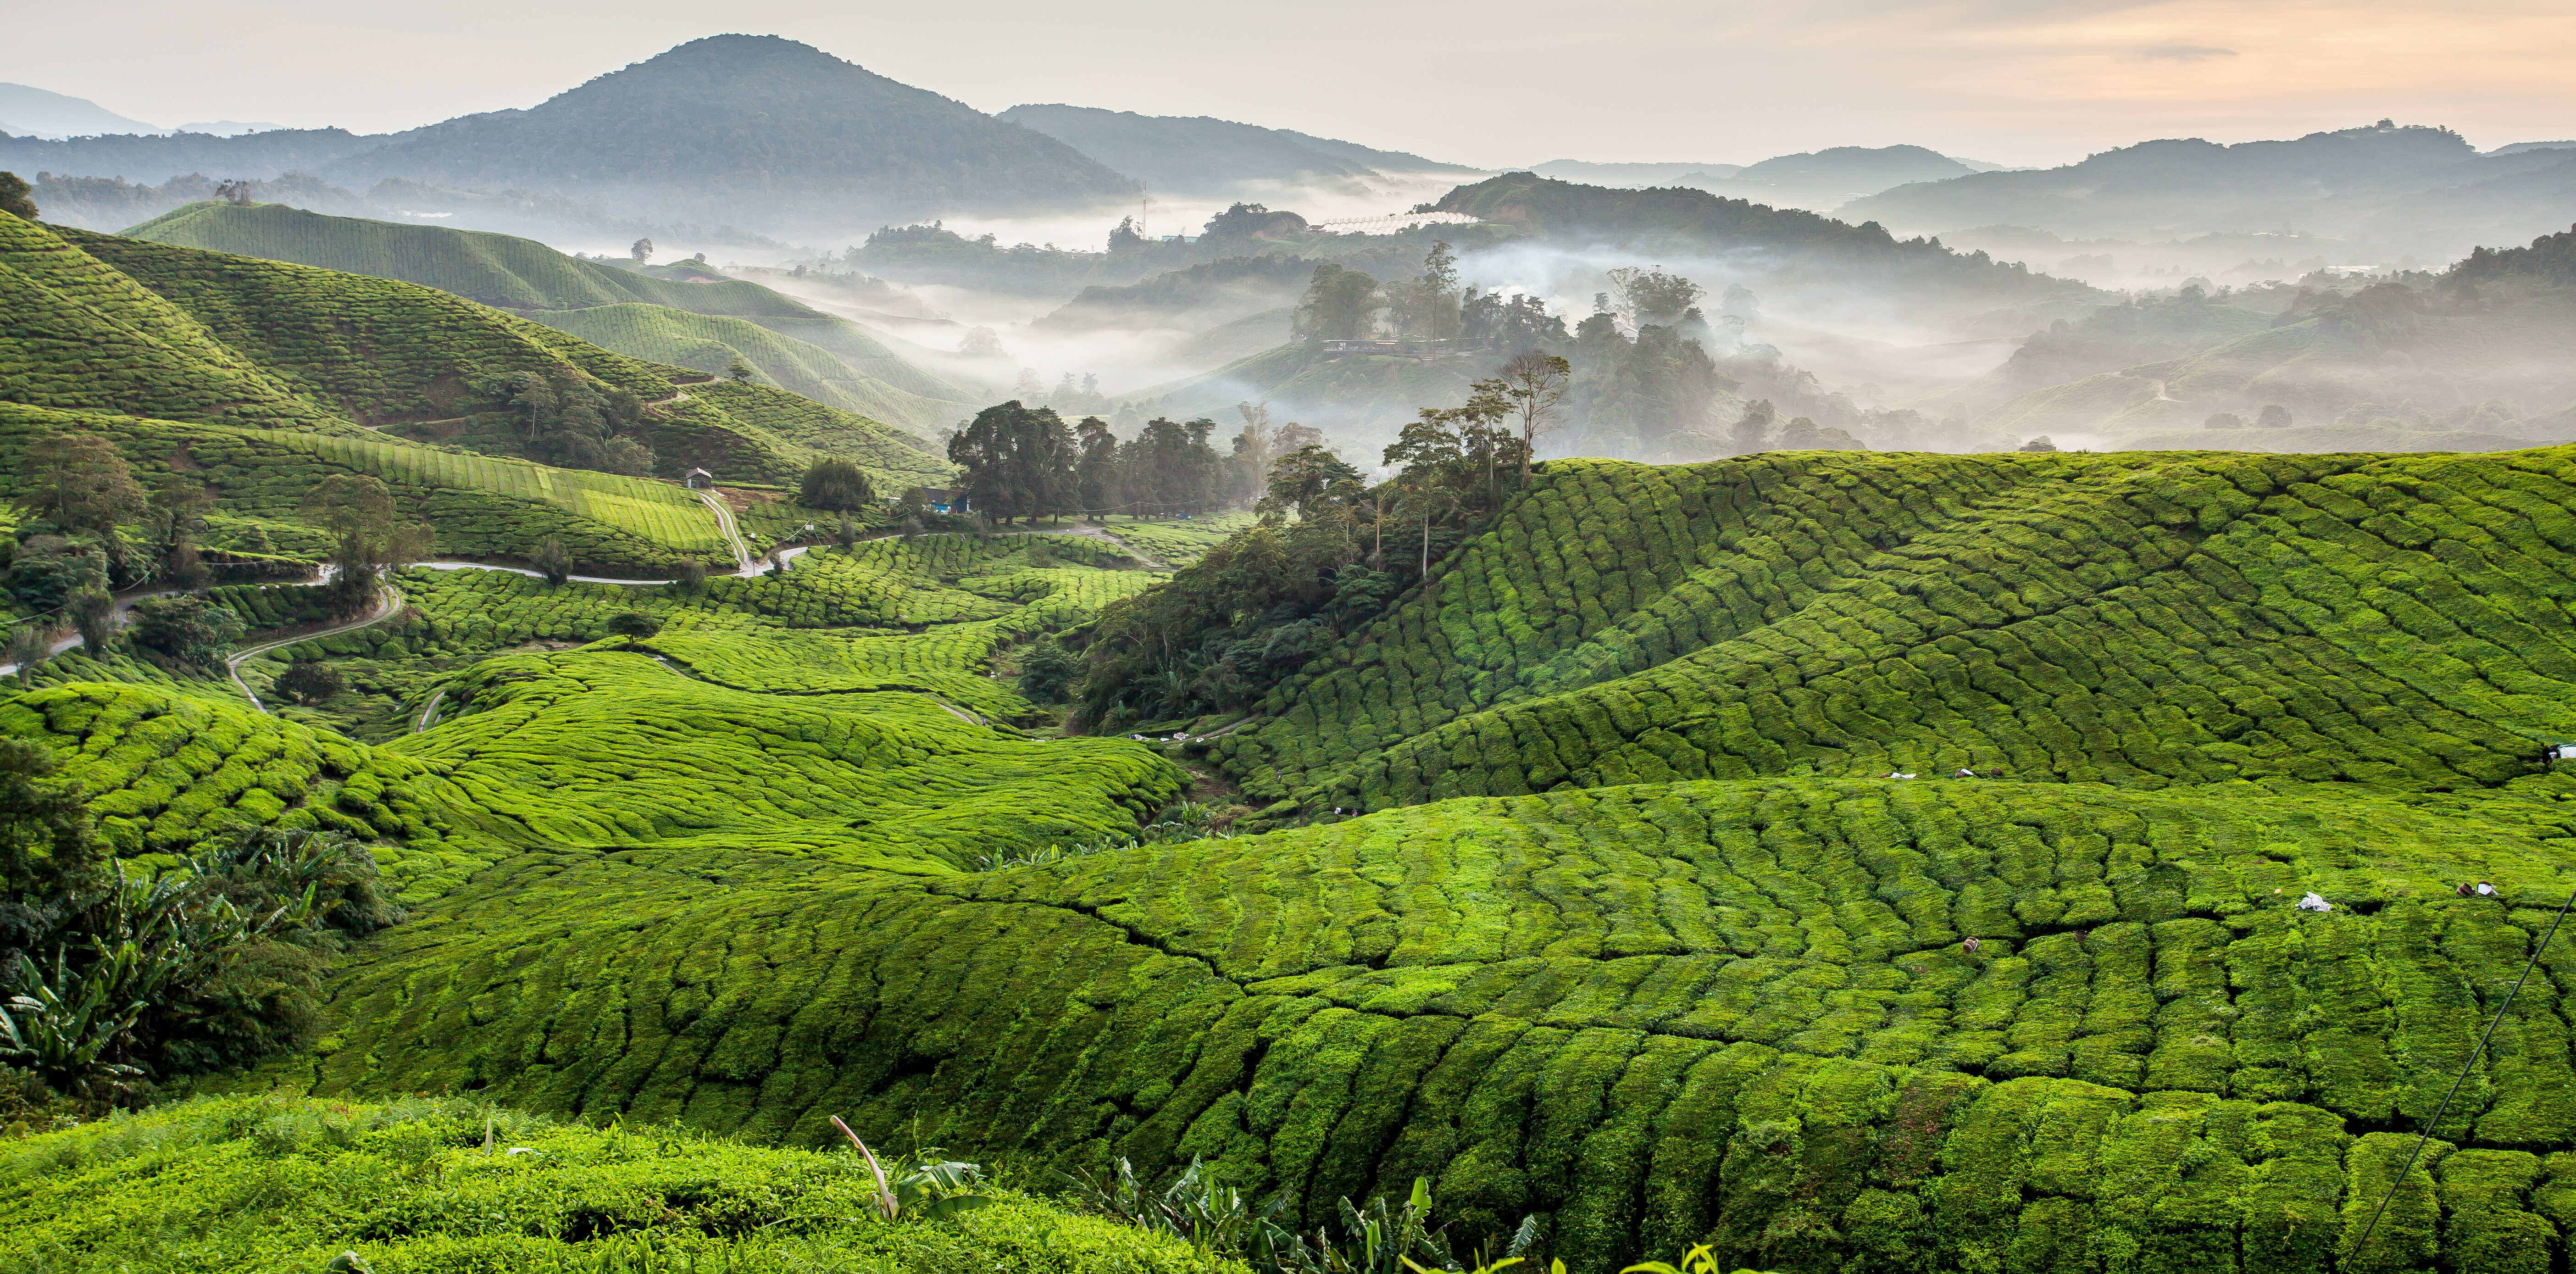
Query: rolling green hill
[(710, 344), (82, 335), (2137, 619), (384, 352), (702, 324), (482, 506), (1647, 932), (161, 337), (499, 270)]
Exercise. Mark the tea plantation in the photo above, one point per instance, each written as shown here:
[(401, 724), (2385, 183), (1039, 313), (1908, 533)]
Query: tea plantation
[(1666, 922), (414, 1186)]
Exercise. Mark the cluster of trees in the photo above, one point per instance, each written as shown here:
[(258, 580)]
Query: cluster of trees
[(2273, 416), (1026, 462), (95, 528), (114, 981), (1346, 304), (1331, 552), (575, 422)]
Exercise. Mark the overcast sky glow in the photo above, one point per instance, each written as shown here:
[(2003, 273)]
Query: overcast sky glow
[(1496, 83)]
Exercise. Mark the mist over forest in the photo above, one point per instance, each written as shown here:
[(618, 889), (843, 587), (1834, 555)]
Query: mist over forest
[(1132, 266), (754, 667)]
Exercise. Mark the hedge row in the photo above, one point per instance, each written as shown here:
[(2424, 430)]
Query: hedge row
[(410, 1187), (167, 768), (481, 506)]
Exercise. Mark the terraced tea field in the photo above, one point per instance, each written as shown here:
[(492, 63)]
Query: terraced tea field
[(1666, 922)]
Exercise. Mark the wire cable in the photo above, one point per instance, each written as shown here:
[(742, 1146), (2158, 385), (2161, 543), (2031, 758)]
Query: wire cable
[(2461, 1078)]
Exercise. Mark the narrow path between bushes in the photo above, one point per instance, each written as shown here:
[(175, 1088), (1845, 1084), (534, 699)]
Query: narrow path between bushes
[(388, 604)]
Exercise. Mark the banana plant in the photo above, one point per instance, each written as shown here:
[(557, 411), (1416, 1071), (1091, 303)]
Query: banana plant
[(929, 1187), (63, 1027)]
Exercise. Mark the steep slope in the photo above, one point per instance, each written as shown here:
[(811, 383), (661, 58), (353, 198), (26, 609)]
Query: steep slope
[(33, 112), (711, 343), (753, 130), (81, 335), (482, 506), (498, 270), (2139, 619), (385, 352)]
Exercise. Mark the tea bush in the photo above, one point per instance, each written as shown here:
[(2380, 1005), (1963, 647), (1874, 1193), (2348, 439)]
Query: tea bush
[(410, 1187)]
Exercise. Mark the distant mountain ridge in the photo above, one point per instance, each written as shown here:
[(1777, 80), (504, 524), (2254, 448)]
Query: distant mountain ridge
[(26, 110), (751, 129), (1203, 155)]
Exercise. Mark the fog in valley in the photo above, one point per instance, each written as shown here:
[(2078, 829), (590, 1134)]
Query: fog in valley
[(1132, 266)]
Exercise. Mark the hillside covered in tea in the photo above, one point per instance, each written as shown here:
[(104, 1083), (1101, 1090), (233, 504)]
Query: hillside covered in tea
[(1656, 929), (706, 323)]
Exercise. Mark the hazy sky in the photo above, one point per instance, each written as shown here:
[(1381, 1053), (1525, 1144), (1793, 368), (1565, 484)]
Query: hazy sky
[(1498, 82)]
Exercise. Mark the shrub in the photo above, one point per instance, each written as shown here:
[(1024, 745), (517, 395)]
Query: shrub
[(551, 561), (310, 683), (633, 623), (835, 484)]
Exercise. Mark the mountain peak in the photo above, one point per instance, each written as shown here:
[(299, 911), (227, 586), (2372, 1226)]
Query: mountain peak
[(752, 129)]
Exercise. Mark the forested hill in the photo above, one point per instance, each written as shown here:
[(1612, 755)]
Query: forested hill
[(1679, 218), (157, 157), (2401, 188), (752, 130), (1210, 156)]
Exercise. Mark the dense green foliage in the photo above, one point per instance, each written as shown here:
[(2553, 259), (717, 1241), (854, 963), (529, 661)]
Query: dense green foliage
[(452, 1187), (482, 506), (1636, 937)]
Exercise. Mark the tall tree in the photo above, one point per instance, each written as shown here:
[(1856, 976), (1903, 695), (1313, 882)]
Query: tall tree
[(836, 484), (1019, 462), (1339, 304), (1096, 472), (369, 539), (1753, 429), (16, 196), (1533, 384), (1302, 478), (80, 483), (1653, 296)]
